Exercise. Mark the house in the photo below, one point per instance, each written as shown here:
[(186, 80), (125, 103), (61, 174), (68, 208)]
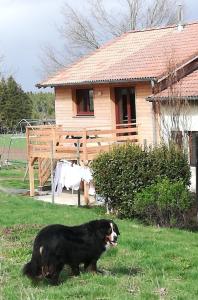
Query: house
[(121, 82), (184, 91)]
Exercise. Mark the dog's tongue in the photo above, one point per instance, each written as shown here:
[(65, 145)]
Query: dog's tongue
[(113, 244)]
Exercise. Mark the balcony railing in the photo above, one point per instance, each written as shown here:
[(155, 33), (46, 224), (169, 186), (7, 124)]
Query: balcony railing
[(84, 144)]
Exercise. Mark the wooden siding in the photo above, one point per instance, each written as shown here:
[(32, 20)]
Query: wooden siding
[(104, 109), (66, 113), (144, 113)]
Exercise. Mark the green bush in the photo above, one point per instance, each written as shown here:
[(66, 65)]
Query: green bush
[(127, 169), (119, 174), (170, 162), (164, 203)]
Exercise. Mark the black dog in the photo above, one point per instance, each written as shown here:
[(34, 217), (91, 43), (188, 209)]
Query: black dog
[(57, 245)]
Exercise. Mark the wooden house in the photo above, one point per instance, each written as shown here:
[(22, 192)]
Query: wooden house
[(110, 95)]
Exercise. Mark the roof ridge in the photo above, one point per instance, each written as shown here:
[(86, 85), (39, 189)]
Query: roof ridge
[(160, 28)]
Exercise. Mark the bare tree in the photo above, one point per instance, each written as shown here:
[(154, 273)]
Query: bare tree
[(173, 111), (87, 29), (160, 12)]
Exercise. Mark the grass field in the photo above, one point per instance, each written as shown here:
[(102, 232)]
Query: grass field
[(16, 141), (13, 177), (149, 262), (12, 147)]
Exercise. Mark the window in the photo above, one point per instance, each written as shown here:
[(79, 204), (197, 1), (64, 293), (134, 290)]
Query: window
[(84, 101)]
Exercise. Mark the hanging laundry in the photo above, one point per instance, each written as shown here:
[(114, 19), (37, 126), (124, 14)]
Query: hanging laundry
[(74, 178), (65, 175), (92, 190), (70, 176), (57, 174), (86, 174)]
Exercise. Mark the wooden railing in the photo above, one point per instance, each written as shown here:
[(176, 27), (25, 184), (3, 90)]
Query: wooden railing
[(46, 144), (72, 144)]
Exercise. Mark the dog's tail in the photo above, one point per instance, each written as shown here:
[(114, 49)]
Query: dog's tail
[(31, 269)]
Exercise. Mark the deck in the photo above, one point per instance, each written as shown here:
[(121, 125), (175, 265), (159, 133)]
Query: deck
[(46, 144)]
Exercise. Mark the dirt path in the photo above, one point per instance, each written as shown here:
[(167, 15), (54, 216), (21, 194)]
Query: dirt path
[(12, 190), (13, 154)]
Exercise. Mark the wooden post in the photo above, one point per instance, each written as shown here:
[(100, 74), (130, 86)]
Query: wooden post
[(54, 138), (84, 140), (30, 163), (86, 193), (196, 151), (31, 176), (78, 162), (52, 170), (39, 172), (85, 159)]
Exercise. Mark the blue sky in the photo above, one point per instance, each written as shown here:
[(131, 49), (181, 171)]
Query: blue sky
[(27, 25)]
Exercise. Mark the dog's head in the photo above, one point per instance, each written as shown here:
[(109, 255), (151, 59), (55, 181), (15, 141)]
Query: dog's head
[(111, 234), (108, 232)]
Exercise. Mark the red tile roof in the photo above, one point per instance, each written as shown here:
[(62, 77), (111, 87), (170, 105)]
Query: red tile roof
[(185, 88), (136, 55)]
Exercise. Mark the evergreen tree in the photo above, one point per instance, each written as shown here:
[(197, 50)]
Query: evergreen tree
[(15, 104), (42, 105), (3, 97)]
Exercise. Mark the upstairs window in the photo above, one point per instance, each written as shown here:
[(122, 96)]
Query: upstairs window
[(84, 101)]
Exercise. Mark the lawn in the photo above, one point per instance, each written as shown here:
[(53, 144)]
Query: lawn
[(14, 176), (149, 262), (13, 147), (17, 141)]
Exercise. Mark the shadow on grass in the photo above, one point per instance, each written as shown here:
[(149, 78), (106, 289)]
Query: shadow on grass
[(66, 275)]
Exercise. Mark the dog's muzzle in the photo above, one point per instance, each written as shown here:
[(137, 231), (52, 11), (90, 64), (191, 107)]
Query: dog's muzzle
[(112, 242)]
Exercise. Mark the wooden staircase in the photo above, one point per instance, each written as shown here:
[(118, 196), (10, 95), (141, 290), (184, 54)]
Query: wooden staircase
[(44, 170)]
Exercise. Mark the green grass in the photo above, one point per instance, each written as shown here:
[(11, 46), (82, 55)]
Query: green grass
[(13, 141), (13, 177), (149, 263)]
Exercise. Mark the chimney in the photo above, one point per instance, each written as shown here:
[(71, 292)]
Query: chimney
[(180, 24)]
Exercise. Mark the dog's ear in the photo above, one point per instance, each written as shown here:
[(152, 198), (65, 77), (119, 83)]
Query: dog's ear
[(100, 226), (96, 225), (115, 227)]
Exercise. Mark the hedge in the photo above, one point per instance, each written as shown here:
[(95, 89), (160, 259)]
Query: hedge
[(164, 203), (125, 170)]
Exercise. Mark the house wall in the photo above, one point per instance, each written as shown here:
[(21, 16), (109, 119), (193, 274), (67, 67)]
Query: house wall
[(66, 113), (144, 113), (104, 109), (187, 123), (188, 120)]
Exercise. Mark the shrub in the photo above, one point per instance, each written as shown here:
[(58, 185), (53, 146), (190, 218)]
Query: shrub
[(120, 173), (170, 162), (127, 169), (164, 203)]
